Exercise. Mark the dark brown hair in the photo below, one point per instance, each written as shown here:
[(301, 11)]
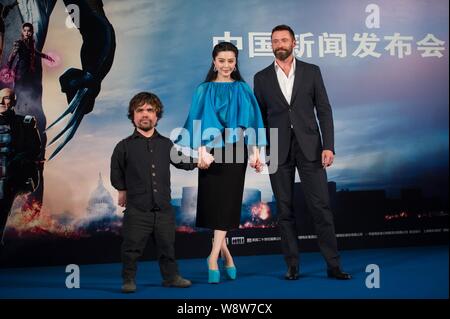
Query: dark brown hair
[(29, 25), (283, 27), (141, 99)]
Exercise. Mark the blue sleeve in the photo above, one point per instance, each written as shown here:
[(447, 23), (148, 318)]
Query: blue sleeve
[(250, 117), (202, 117)]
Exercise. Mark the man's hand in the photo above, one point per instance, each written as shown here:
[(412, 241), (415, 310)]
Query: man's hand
[(327, 158), (122, 198)]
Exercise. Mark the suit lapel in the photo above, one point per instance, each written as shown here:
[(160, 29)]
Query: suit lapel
[(297, 79), (276, 85)]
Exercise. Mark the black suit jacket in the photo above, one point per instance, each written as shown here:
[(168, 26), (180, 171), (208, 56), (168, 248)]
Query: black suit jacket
[(308, 93)]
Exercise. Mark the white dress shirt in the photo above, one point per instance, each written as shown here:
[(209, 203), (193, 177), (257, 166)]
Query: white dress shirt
[(286, 82)]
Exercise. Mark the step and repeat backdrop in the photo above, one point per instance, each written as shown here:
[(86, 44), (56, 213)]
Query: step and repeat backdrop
[(384, 63)]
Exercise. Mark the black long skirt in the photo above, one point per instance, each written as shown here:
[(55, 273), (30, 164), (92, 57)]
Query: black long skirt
[(220, 191)]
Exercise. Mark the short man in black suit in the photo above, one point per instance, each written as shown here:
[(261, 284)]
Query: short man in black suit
[(140, 171), (288, 92)]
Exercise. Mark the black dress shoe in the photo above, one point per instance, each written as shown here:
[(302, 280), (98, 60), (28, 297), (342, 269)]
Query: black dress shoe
[(129, 285), (337, 273), (292, 273), (177, 282)]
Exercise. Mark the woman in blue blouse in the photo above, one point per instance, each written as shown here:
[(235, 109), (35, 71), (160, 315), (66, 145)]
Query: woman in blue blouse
[(223, 120)]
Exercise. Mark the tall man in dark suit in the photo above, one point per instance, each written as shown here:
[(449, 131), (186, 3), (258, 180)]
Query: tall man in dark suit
[(288, 92)]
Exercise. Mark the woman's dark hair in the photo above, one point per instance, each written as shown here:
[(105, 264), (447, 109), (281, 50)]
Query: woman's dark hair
[(29, 25), (222, 47)]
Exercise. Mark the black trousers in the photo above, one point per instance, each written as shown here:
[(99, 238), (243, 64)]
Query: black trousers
[(314, 184), (138, 227)]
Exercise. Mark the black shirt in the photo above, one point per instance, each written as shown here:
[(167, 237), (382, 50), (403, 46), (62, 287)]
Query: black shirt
[(141, 166)]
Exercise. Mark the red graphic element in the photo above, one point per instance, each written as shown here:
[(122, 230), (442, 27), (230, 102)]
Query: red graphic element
[(56, 60), (261, 217), (260, 211), (7, 76), (401, 215), (185, 229), (34, 221)]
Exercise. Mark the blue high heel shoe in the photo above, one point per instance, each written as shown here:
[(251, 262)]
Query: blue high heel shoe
[(231, 272), (213, 274)]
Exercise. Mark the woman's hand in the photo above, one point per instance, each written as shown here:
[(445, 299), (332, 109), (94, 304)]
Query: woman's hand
[(255, 160), (204, 158)]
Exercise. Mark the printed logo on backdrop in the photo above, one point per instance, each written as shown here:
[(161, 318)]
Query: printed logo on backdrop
[(343, 45), (237, 240)]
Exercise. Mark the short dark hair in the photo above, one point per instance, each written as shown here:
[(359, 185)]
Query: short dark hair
[(283, 27), (27, 24), (142, 98)]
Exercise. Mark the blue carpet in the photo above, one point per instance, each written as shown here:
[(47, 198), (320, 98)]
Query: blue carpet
[(413, 272)]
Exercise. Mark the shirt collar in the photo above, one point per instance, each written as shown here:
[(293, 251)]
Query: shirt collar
[(292, 71), (136, 134)]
